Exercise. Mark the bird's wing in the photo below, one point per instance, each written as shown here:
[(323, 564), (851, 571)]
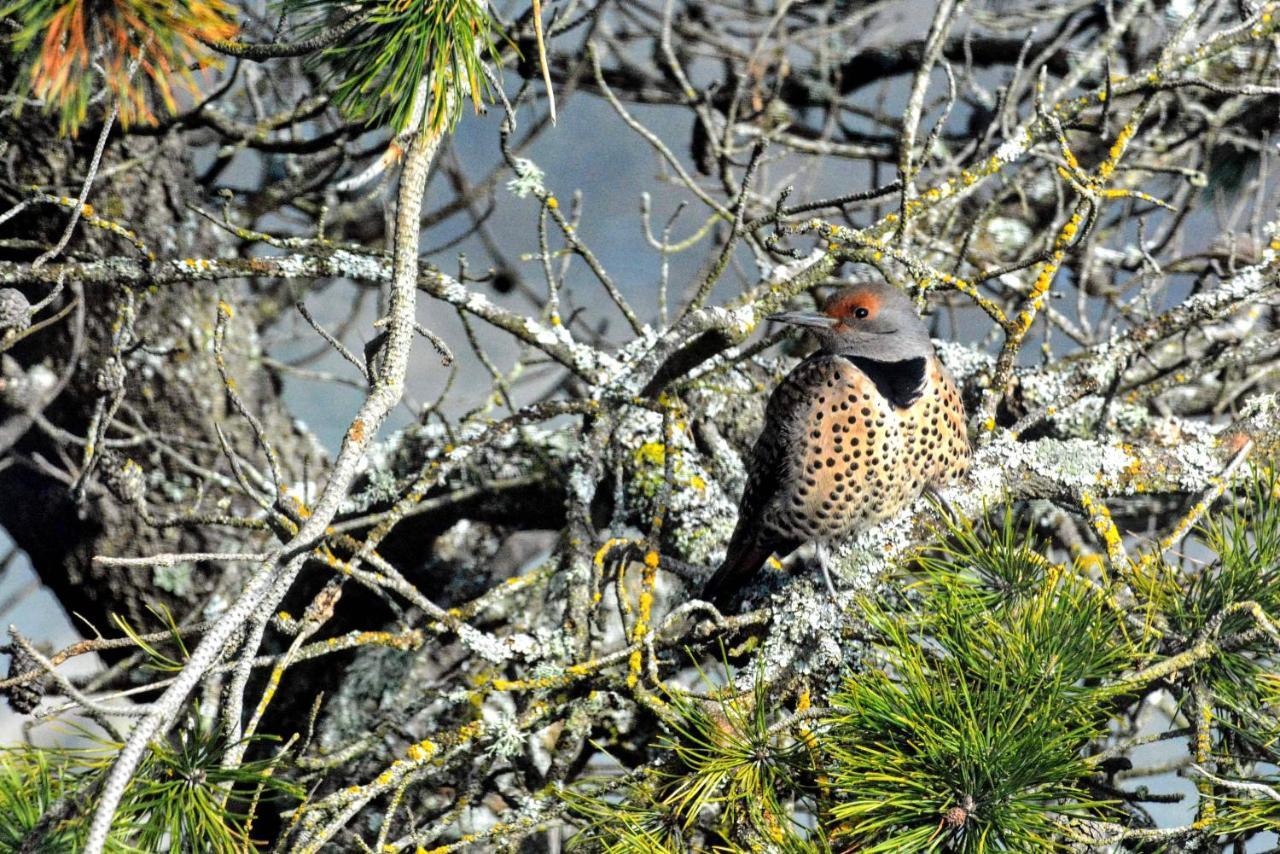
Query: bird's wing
[(793, 412), (786, 420), (786, 414)]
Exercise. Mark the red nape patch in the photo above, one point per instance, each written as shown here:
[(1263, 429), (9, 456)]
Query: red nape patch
[(843, 305)]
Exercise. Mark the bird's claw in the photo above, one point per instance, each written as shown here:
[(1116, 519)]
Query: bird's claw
[(824, 561)]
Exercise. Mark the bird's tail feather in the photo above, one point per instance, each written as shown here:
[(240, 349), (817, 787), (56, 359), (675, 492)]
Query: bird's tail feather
[(745, 557)]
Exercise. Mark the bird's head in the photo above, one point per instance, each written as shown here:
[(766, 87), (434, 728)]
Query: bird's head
[(873, 320)]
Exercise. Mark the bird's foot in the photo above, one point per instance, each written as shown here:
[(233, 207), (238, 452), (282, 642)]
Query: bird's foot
[(824, 561)]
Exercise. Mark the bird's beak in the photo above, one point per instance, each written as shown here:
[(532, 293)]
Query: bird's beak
[(805, 318)]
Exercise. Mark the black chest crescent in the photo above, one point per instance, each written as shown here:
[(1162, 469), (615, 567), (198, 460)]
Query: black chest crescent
[(900, 383)]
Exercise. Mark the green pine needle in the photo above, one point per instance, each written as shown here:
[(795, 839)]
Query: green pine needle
[(378, 67), (182, 799), (631, 821), (972, 735), (728, 758), (33, 782), (1245, 537), (1000, 557)]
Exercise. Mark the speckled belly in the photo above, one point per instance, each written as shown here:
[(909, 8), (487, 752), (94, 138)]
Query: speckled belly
[(848, 468)]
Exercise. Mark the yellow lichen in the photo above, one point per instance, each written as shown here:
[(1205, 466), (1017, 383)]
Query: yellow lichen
[(653, 453), (421, 751)]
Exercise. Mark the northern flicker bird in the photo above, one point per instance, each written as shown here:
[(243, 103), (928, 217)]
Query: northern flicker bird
[(852, 435)]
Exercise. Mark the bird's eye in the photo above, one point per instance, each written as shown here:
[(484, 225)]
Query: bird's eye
[(860, 312)]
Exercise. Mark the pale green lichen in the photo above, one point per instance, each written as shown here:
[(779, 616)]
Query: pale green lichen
[(529, 178), (963, 360), (702, 516), (1073, 463), (176, 579), (807, 635), (1007, 233), (859, 560)]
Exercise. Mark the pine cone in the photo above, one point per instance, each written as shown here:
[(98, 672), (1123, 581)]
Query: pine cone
[(15, 310), (25, 697)]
